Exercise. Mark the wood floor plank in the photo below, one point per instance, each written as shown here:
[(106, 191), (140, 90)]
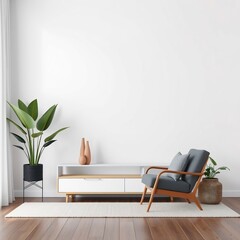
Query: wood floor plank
[(83, 229), (112, 229), (141, 228), (156, 229), (189, 229), (204, 229), (68, 229), (127, 229), (166, 228), (222, 230), (97, 229), (7, 209), (4, 222), (10, 226), (233, 226), (24, 230), (40, 229), (54, 229)]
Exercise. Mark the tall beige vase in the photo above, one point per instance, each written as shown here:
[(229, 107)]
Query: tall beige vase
[(87, 153), (82, 158)]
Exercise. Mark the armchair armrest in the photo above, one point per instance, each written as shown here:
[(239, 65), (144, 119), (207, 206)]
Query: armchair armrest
[(180, 172), (155, 167)]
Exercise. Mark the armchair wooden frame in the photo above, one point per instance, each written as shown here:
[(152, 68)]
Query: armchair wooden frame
[(190, 197)]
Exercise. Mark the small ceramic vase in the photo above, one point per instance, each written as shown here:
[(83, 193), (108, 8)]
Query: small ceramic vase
[(87, 153), (82, 158)]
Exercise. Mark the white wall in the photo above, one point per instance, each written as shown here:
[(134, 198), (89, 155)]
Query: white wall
[(141, 80)]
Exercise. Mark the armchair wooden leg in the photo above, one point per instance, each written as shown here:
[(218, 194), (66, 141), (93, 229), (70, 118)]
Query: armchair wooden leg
[(143, 194), (171, 198), (188, 200), (150, 200), (197, 203)]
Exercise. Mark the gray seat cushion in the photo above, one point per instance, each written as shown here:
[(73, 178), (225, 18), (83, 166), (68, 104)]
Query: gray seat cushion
[(166, 183)]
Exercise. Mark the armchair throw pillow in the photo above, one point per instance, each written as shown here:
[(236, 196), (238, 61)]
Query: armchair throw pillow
[(179, 163)]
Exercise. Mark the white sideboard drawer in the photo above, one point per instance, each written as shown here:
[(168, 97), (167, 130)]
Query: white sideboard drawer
[(133, 185), (91, 185)]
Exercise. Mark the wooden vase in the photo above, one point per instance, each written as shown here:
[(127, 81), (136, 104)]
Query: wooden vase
[(82, 158), (87, 153)]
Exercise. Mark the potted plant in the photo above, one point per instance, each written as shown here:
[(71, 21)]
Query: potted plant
[(210, 189), (30, 136)]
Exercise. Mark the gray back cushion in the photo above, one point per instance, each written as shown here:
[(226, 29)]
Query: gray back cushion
[(196, 162), (179, 163)]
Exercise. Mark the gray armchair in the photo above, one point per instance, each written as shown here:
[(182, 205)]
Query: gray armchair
[(183, 187)]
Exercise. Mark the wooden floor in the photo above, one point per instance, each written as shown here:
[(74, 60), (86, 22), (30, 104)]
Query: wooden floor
[(119, 228)]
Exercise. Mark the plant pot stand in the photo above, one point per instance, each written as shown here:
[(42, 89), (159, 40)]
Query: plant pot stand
[(32, 184), (32, 175)]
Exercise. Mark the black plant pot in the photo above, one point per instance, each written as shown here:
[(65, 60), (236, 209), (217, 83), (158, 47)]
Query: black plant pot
[(32, 173)]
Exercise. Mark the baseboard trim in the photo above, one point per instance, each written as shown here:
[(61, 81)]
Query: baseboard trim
[(231, 193), (38, 193)]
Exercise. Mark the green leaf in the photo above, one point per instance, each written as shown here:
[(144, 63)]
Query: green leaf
[(45, 121), (22, 106), (35, 135), (54, 134), (213, 161), (48, 143), (24, 117), (211, 168), (19, 147), (207, 172), (33, 109), (223, 168), (16, 125), (19, 138)]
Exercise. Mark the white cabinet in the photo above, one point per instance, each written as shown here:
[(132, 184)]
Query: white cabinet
[(133, 185), (91, 185), (101, 179)]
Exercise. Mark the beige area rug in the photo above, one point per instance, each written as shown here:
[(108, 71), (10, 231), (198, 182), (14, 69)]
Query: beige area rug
[(113, 209)]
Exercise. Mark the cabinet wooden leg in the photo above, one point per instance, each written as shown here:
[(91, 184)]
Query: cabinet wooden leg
[(69, 197)]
